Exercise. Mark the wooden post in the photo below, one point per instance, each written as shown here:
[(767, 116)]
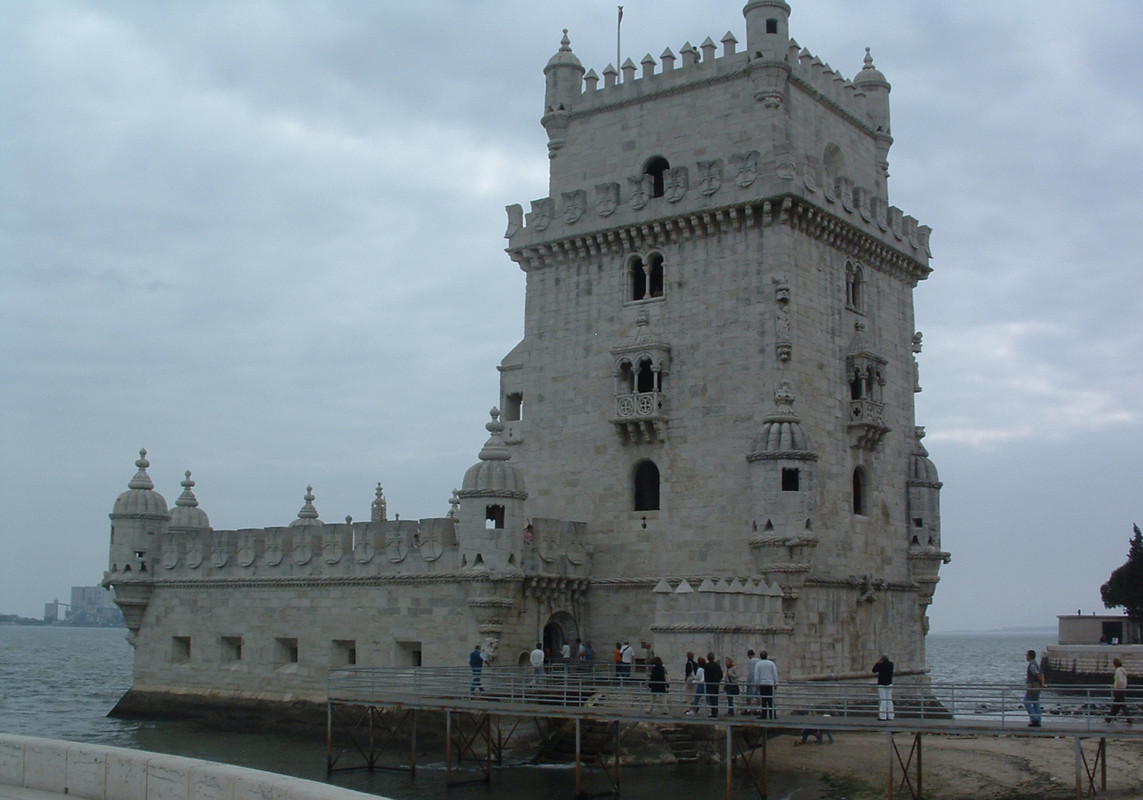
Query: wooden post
[(889, 792), (413, 748), (920, 785), (448, 747), (328, 738), (1102, 764), (578, 786), (729, 761), (1079, 770)]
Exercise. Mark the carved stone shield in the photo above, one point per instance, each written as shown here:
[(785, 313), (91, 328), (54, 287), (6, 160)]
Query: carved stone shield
[(606, 198), (675, 184), (575, 204), (640, 190), (541, 216), (710, 176), (745, 168)]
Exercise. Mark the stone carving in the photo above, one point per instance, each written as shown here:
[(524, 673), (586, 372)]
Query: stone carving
[(331, 549), (606, 198), (218, 554), (641, 186), (246, 551), (379, 510), (363, 550), (916, 347), (274, 550), (515, 220), (783, 343), (745, 168), (575, 204), (710, 176), (170, 551), (303, 550), (194, 551), (541, 216), (675, 184), (396, 547)]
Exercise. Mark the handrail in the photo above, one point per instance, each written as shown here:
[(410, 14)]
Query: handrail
[(594, 690)]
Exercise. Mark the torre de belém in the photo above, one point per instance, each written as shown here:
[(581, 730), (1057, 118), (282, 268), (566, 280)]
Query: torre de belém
[(709, 423)]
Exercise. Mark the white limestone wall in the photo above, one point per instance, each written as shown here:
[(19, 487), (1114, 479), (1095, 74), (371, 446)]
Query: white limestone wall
[(98, 772)]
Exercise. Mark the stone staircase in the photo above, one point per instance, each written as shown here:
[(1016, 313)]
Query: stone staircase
[(680, 739)]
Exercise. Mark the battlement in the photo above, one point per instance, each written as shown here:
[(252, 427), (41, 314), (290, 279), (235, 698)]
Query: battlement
[(695, 66)]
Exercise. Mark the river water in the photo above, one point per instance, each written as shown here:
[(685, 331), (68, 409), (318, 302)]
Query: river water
[(60, 683)]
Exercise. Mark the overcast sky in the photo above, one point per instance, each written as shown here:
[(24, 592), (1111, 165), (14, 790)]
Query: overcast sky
[(264, 241)]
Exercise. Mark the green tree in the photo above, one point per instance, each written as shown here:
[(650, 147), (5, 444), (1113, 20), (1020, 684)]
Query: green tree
[(1125, 586)]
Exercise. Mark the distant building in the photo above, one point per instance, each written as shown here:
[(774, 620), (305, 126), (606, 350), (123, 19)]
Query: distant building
[(707, 439), (95, 606)]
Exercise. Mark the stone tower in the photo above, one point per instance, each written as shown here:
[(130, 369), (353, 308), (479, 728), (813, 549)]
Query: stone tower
[(717, 370)]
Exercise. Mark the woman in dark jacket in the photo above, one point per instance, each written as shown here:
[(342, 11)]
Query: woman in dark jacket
[(657, 682)]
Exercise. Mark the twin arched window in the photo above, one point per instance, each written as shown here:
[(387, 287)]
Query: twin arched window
[(645, 278)]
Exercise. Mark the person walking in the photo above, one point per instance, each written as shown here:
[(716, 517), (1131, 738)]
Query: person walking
[(751, 686), (476, 661), (626, 659), (884, 671), (700, 686), (1033, 685), (689, 675), (1118, 692), (713, 678), (536, 659), (732, 687), (766, 679), (657, 683)]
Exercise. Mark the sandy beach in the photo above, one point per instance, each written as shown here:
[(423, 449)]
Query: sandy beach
[(959, 767)]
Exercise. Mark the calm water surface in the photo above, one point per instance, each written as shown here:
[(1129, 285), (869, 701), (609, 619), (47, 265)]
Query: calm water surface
[(60, 683)]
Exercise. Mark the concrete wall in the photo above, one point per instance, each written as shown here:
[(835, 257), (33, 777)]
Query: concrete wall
[(97, 772)]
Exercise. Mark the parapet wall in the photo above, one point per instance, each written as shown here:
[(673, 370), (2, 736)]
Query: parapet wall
[(696, 65), (98, 772)]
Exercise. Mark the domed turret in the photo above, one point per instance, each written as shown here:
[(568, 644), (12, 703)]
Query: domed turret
[(138, 515), (140, 497), (563, 82), (782, 432), (493, 473), (491, 507), (767, 29), (308, 515), (876, 88), (186, 514)]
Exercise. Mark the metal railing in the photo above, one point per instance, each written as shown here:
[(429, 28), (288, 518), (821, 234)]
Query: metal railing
[(596, 691)]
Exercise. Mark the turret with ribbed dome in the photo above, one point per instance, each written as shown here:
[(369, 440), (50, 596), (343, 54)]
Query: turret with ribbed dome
[(139, 514), (783, 469), (187, 516), (491, 508), (308, 515), (563, 78), (923, 490)]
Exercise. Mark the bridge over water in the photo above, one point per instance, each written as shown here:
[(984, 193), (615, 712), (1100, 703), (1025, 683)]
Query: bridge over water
[(483, 713)]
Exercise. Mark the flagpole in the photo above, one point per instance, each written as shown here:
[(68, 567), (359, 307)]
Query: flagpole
[(618, 25)]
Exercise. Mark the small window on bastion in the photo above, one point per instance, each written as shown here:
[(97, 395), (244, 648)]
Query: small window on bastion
[(859, 490), (771, 26), (231, 647), (180, 649), (790, 479), (494, 517)]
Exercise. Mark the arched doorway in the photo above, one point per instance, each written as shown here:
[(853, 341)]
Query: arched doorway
[(560, 628)]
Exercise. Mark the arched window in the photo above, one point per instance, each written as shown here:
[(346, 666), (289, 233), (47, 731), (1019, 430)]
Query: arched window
[(854, 287), (645, 278), (646, 377), (655, 168), (655, 276), (646, 486), (859, 490)]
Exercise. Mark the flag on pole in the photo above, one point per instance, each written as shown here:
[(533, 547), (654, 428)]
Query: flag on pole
[(621, 13)]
